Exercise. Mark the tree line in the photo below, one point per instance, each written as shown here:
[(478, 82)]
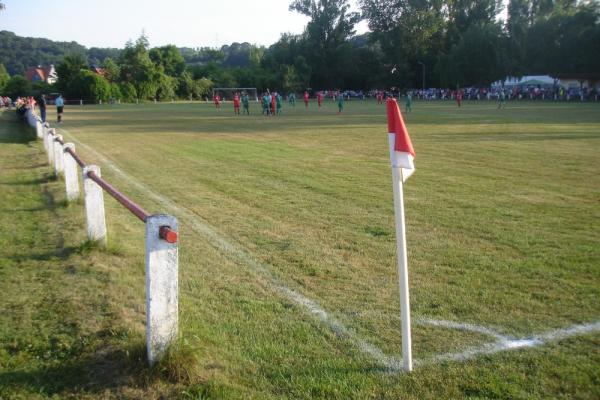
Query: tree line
[(411, 43)]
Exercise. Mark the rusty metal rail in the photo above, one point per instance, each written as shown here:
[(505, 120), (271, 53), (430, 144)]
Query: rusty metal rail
[(165, 233), (120, 197)]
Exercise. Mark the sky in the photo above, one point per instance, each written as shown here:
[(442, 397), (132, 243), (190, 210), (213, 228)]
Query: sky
[(184, 23)]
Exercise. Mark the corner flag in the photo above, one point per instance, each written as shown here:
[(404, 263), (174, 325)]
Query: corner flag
[(403, 154), (402, 157)]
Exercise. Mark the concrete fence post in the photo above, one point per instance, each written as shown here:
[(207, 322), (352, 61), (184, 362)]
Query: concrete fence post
[(161, 286), (45, 129), (71, 176), (50, 143), (30, 118), (45, 139), (94, 206), (39, 129), (58, 155)]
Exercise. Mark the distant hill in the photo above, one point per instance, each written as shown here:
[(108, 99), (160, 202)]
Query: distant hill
[(17, 52)]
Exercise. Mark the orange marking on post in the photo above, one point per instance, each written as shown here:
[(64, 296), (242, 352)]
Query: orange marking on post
[(167, 234)]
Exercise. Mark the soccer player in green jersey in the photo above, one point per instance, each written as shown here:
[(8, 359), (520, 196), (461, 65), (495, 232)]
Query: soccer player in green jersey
[(408, 102), (246, 103), (278, 100), (340, 103), (265, 104), (501, 99)]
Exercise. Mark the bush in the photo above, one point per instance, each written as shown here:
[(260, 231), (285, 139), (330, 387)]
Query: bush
[(115, 92), (128, 92), (89, 86), (203, 88), (17, 86)]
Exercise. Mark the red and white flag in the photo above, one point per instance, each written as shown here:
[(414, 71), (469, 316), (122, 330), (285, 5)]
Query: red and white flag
[(402, 154)]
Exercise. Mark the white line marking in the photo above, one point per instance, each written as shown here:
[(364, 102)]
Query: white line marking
[(564, 333), (462, 327), (224, 245), (505, 343)]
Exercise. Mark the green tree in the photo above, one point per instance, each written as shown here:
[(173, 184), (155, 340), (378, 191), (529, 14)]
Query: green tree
[(463, 14), (115, 91), (17, 86), (165, 87), (203, 87), (256, 55), (70, 67), (40, 87), (477, 59), (406, 33), (88, 85), (128, 92), (138, 69), (4, 77), (517, 26), (169, 58), (566, 41), (291, 79), (113, 71), (185, 85), (326, 36)]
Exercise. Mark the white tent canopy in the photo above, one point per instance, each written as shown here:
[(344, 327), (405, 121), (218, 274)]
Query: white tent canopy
[(543, 80)]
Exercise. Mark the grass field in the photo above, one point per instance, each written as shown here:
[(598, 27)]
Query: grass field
[(287, 260)]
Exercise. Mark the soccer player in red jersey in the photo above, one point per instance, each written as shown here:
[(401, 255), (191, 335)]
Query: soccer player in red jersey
[(306, 99), (217, 100), (458, 96), (236, 103), (273, 103), (320, 99)]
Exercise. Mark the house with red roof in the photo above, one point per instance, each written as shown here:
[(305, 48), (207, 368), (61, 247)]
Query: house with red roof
[(99, 71), (41, 74)]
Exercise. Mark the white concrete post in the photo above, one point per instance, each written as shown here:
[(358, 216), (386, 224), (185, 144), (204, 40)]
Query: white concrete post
[(94, 206), (161, 287), (58, 155), (50, 143), (71, 176), (30, 118), (45, 138), (39, 128)]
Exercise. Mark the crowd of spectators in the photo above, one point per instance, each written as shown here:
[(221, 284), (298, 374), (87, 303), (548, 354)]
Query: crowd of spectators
[(6, 102), (516, 92), (512, 93), (22, 104)]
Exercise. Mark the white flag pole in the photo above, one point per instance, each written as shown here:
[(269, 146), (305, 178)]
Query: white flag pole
[(402, 257)]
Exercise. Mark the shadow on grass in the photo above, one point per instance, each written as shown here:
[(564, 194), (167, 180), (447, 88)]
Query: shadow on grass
[(36, 181), (107, 369), (31, 209), (14, 130), (112, 368), (62, 253), (65, 252)]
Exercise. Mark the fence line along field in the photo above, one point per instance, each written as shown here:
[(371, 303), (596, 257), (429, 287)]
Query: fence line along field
[(288, 285)]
